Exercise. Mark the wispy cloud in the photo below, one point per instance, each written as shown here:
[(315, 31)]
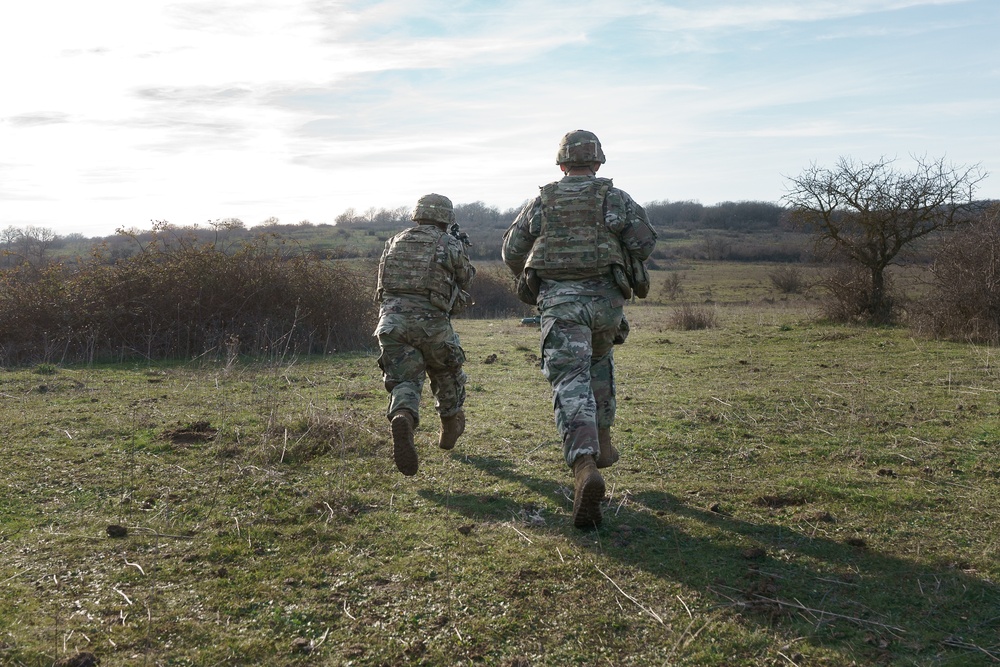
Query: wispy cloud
[(38, 118), (302, 108)]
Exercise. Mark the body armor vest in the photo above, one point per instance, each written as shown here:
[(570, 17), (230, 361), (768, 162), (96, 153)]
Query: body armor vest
[(575, 241), (410, 266)]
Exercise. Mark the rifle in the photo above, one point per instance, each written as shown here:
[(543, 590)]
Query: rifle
[(457, 232)]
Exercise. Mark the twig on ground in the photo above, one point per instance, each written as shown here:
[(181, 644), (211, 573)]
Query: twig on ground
[(153, 533), (790, 661), (526, 538), (15, 576), (622, 502), (821, 612), (117, 590), (135, 565), (959, 643), (681, 639), (532, 451), (636, 602), (322, 639), (686, 608)]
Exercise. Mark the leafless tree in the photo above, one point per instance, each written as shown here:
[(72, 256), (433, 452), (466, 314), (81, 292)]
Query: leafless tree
[(35, 243), (869, 212), (9, 237)]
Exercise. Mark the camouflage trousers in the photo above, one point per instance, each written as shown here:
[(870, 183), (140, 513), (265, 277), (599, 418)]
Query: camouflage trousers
[(578, 361), (413, 349)]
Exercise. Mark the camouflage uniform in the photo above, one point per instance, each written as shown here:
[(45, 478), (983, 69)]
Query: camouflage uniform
[(423, 277), (578, 296)]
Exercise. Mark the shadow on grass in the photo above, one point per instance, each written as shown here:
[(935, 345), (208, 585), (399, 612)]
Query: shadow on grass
[(493, 507), (841, 594)]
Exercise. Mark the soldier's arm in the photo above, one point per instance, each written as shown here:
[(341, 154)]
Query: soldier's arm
[(628, 219), (464, 271), (521, 236)]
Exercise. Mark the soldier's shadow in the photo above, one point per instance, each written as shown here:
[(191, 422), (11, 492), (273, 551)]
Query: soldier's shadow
[(839, 591)]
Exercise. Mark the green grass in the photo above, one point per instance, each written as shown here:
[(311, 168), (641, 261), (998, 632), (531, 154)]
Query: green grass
[(789, 493)]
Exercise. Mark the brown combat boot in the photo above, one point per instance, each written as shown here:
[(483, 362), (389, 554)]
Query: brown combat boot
[(451, 428), (588, 494), (404, 453), (609, 455)]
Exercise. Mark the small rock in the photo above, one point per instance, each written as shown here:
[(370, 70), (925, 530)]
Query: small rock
[(117, 531), (81, 659), (302, 645)]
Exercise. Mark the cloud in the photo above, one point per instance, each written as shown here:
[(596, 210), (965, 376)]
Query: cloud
[(302, 108), (195, 95), (38, 118), (761, 15)]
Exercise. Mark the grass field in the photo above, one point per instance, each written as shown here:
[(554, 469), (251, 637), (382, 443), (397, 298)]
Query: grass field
[(789, 493)]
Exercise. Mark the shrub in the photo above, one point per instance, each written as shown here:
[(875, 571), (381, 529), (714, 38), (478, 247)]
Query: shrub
[(850, 297), (673, 286), (690, 318), (787, 280), (495, 294), (964, 300), (183, 298)]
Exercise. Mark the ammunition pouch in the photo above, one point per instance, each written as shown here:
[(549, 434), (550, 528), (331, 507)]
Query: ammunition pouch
[(460, 301), (528, 284), (633, 278), (622, 281), (622, 333), (638, 276)]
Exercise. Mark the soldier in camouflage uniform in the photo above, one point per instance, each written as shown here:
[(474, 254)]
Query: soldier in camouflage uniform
[(569, 248), (422, 281)]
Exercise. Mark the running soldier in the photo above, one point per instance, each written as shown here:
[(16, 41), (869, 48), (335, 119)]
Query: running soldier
[(575, 250), (423, 278)]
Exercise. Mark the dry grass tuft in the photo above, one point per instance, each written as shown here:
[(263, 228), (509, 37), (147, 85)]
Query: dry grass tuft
[(692, 318)]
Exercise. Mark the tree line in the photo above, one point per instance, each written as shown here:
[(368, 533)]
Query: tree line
[(485, 224), (227, 289)]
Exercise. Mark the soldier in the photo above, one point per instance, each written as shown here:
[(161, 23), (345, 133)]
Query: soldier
[(573, 250), (422, 281)]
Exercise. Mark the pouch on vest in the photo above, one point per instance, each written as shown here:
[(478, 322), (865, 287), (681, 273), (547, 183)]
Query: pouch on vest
[(461, 300), (638, 276), (622, 281), (622, 333), (528, 284)]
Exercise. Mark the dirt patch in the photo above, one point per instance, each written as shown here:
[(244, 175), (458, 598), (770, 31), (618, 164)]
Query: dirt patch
[(779, 500), (201, 431), (82, 659)]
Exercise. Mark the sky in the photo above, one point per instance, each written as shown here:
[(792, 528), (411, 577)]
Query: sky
[(118, 113)]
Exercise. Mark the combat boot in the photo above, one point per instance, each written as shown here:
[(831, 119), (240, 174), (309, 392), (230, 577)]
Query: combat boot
[(451, 428), (588, 494), (609, 455), (404, 453)]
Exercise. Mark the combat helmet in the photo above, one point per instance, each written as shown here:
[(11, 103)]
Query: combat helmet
[(580, 147), (434, 208)]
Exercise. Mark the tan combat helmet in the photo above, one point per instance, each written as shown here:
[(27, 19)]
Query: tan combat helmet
[(434, 208), (580, 147)]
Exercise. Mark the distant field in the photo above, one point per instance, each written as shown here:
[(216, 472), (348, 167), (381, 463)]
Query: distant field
[(790, 493)]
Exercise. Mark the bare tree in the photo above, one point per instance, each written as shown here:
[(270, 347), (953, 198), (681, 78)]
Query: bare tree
[(35, 243), (869, 212), (9, 235), (346, 218)]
